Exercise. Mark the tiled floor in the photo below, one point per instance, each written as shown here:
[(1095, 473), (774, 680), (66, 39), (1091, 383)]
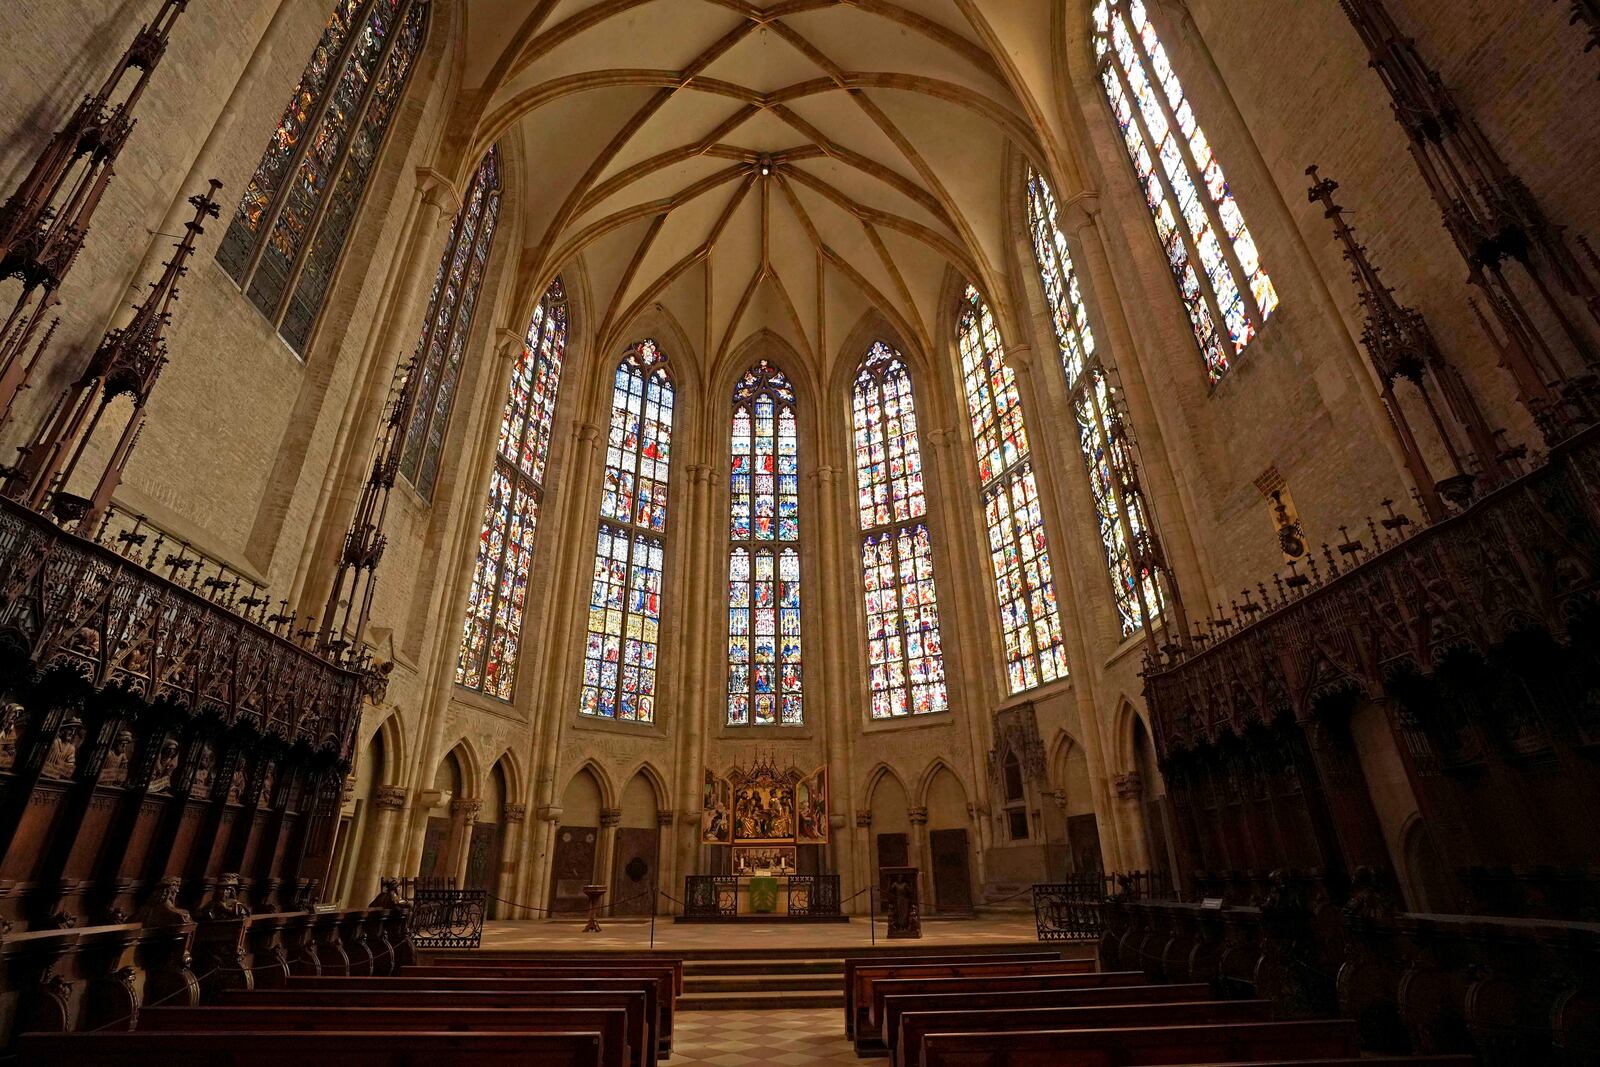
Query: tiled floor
[(632, 934), (740, 1038)]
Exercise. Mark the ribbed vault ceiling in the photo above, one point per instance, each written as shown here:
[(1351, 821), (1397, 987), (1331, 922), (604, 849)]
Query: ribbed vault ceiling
[(780, 166)]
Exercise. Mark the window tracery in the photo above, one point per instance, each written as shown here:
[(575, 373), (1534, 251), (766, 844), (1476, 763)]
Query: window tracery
[(492, 633), (1119, 506), (624, 627), (448, 323), (284, 241), (764, 654), (1212, 255), (905, 654), (1030, 619)]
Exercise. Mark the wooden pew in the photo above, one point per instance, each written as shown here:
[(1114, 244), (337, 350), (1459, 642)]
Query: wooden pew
[(865, 974), (1216, 1043), (656, 1013), (641, 1043), (853, 962), (895, 1006), (499, 959), (916, 1025), (661, 974), (869, 1033), (1360, 1061), (240, 1048), (609, 1023)]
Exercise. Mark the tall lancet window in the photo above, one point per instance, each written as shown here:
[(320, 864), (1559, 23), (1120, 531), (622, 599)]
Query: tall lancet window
[(1214, 259), (619, 659), (905, 657), (284, 242), (492, 634), (1030, 620), (449, 323), (1119, 508), (764, 684)]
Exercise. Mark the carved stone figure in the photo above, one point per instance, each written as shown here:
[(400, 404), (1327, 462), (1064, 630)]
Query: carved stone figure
[(115, 769), (166, 764), (10, 727), (236, 783), (267, 782), (62, 759)]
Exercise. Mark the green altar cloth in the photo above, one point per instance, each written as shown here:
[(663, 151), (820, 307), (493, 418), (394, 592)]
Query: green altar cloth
[(763, 894)]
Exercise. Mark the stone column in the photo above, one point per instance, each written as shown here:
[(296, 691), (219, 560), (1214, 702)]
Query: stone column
[(684, 842), (463, 816), (667, 870), (513, 820), (838, 727), (388, 801), (917, 855), (866, 861), (541, 855), (605, 857), (1129, 815)]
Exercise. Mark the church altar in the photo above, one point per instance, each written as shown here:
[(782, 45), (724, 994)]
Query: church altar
[(761, 897)]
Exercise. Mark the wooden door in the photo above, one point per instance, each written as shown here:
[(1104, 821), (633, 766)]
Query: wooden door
[(634, 870), (1084, 834), (572, 867), (435, 853), (483, 857), (952, 875), (894, 850)]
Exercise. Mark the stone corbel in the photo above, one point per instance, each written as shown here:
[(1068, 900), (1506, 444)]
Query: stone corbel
[(610, 817), (918, 816), (549, 813), (438, 192), (1128, 786), (864, 818)]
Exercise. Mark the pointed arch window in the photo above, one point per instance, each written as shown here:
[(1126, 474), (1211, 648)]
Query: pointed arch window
[(1213, 257), (1102, 439), (764, 680), (448, 324), (492, 633), (1019, 554), (284, 242), (624, 633), (905, 654)]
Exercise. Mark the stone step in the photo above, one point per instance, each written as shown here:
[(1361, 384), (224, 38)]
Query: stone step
[(761, 1000), (763, 965), (736, 983)]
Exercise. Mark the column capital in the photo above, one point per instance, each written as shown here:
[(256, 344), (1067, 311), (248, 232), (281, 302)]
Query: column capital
[(666, 818), (549, 813), (389, 798), (826, 476), (467, 806), (507, 343), (1019, 356), (586, 432), (863, 818), (918, 816), (610, 817), (1128, 786), (1079, 212), (438, 192), (513, 813), (700, 473)]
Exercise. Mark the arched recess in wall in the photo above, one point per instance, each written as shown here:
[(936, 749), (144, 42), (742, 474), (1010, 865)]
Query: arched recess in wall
[(572, 862), (950, 841), (444, 837), (891, 821), (484, 845), (1150, 790), (1073, 803), (356, 839), (636, 854), (1428, 884)]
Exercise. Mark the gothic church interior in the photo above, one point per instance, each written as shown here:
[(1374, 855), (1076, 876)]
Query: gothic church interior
[(814, 466)]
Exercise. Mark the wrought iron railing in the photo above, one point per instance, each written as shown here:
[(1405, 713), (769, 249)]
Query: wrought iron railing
[(710, 896), (813, 895), (1073, 910), (447, 918)]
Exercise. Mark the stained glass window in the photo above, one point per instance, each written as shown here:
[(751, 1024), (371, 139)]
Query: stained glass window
[(1030, 620), (624, 633), (1119, 506), (764, 683), (449, 323), (284, 242), (493, 630), (1213, 258), (905, 656)]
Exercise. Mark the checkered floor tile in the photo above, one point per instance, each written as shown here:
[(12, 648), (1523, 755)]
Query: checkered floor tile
[(739, 1038)]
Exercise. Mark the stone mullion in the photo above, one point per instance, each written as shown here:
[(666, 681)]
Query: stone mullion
[(1201, 191), (693, 698), (1190, 243), (269, 218)]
